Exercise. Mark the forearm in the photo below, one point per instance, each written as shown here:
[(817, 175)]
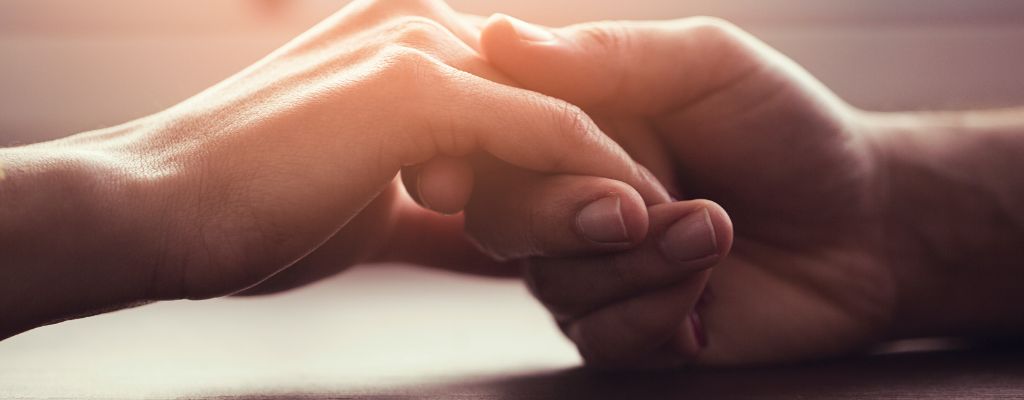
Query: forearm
[(955, 192), (61, 257)]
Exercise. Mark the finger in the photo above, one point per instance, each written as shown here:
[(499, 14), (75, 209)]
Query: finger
[(631, 67), (684, 237), (463, 28), (516, 214), (419, 236), (751, 316), (358, 16), (522, 128), (427, 238), (642, 142), (443, 184), (428, 25), (642, 331)]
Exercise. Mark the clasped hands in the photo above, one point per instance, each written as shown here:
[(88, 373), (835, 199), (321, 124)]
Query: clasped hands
[(675, 192)]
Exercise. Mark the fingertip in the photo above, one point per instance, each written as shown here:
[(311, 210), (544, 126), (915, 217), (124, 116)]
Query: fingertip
[(501, 44), (723, 227), (496, 33), (495, 20), (616, 215), (694, 234), (721, 223), (634, 211), (445, 184)]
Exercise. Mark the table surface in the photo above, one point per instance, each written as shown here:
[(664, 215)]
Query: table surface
[(398, 332)]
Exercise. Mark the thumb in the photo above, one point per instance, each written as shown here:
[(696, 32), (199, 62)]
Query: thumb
[(620, 67)]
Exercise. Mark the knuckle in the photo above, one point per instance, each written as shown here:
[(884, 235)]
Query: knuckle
[(614, 39), (418, 32), (402, 3), (573, 124), (399, 58), (381, 12), (406, 5), (713, 29), (610, 36), (385, 5), (407, 68)]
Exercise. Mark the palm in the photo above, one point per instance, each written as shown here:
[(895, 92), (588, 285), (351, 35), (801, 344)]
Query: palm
[(803, 278), (357, 242)]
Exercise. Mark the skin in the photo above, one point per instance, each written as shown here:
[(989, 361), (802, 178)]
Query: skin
[(851, 227), (289, 165)]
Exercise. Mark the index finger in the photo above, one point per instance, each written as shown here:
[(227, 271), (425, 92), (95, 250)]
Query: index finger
[(525, 129)]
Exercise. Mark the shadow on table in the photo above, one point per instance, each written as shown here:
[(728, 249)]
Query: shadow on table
[(990, 372)]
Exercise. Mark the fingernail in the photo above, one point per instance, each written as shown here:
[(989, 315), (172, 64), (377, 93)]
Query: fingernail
[(698, 330), (601, 221), (691, 238), (529, 32)]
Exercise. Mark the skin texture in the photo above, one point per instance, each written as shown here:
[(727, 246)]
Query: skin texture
[(844, 228), (960, 257), (288, 165), (716, 114), (850, 227)]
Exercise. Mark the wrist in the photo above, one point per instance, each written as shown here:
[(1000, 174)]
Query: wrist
[(65, 243), (950, 240)]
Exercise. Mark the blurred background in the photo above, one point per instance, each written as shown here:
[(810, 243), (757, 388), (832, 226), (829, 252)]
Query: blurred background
[(72, 65), (67, 66)]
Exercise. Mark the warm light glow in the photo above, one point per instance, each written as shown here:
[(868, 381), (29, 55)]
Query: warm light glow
[(71, 66)]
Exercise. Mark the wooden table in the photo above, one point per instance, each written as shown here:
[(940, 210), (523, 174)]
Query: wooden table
[(396, 332)]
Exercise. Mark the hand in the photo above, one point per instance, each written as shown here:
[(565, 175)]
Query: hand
[(290, 163), (716, 114)]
